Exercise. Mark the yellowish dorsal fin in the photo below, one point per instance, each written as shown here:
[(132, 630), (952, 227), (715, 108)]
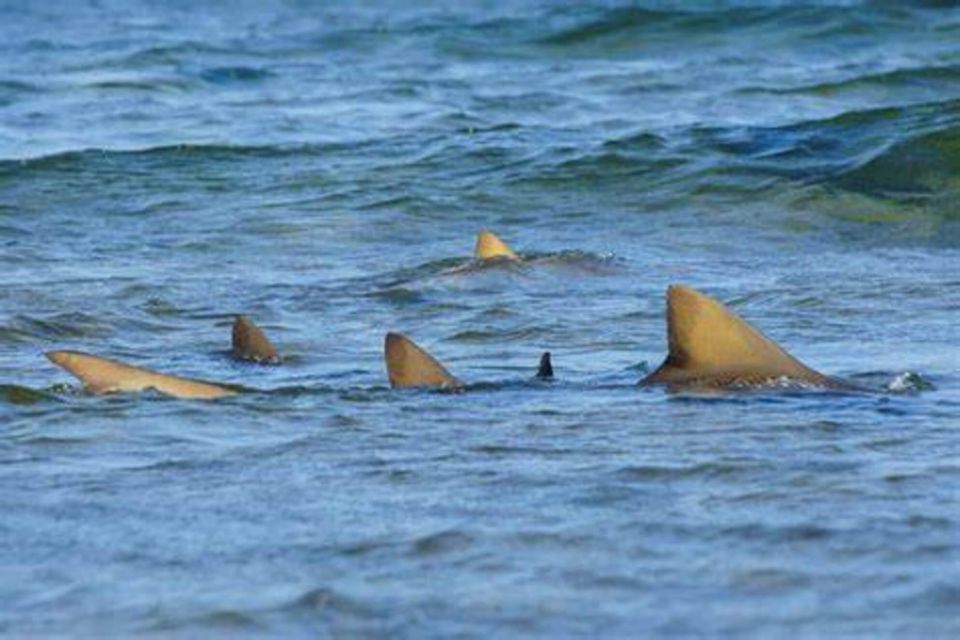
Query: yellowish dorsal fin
[(250, 343), (102, 375), (410, 366), (490, 246), (712, 346)]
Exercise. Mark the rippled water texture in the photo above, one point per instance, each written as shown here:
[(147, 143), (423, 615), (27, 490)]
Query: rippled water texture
[(324, 169)]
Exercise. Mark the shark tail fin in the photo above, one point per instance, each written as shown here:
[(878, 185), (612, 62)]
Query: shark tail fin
[(710, 344), (250, 343), (102, 375), (545, 371), (490, 246), (408, 365)]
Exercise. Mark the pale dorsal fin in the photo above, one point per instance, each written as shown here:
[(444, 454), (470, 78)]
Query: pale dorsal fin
[(102, 375), (490, 246), (710, 345), (250, 343), (410, 366)]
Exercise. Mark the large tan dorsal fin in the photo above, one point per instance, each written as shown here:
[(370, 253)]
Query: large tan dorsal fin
[(490, 246), (102, 375), (710, 345), (250, 343), (410, 366)]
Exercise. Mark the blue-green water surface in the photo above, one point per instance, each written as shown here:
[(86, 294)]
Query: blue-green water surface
[(323, 168)]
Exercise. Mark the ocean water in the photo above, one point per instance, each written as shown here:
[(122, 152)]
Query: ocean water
[(324, 167)]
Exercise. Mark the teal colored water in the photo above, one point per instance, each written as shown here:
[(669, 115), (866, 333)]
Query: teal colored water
[(324, 169)]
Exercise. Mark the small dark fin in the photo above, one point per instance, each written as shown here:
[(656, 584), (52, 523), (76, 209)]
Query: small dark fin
[(250, 343), (408, 365), (546, 367)]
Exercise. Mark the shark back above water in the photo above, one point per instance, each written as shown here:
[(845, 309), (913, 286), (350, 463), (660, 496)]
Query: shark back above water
[(103, 375), (710, 346), (490, 246)]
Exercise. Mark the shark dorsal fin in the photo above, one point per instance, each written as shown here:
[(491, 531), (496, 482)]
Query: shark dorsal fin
[(490, 246), (410, 366), (102, 375), (710, 345), (545, 370), (250, 343)]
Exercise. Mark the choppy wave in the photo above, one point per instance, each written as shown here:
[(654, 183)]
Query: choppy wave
[(824, 149), (68, 325), (906, 155), (907, 80), (623, 27), (924, 167), (198, 152)]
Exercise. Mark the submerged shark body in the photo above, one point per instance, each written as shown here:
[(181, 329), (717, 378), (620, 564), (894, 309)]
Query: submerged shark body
[(102, 375), (711, 347), (490, 246), (250, 343)]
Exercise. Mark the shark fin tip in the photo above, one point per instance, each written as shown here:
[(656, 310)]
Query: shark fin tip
[(489, 245)]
